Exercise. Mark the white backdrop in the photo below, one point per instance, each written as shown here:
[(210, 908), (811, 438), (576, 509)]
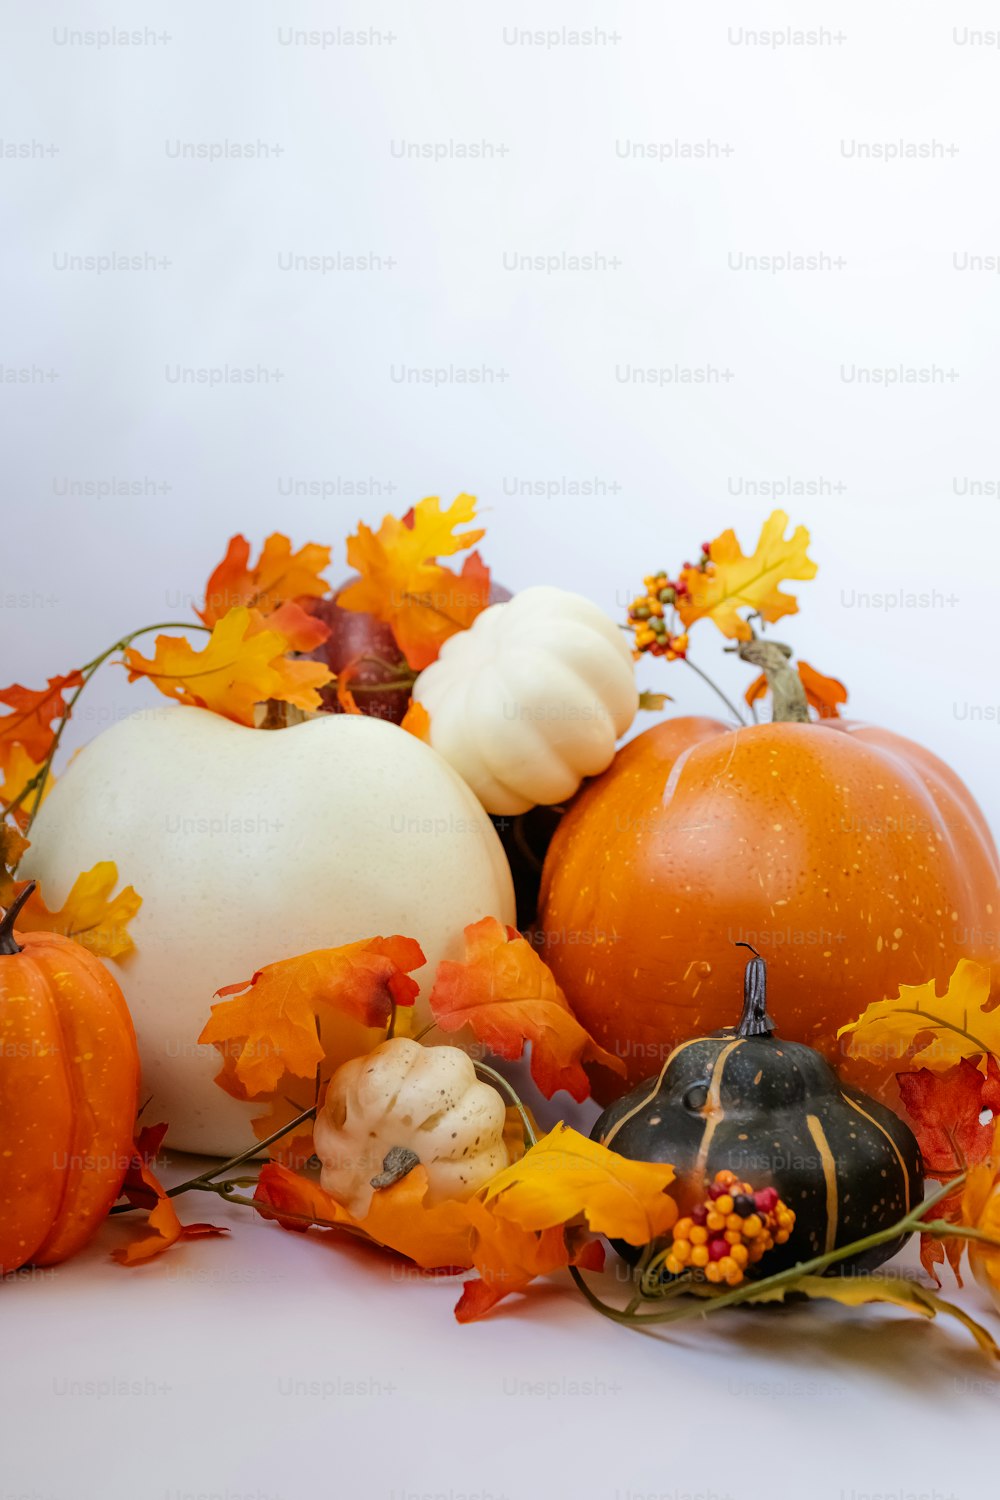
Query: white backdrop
[(898, 482), (672, 146)]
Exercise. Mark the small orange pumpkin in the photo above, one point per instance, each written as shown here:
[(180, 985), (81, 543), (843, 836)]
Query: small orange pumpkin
[(69, 1083)]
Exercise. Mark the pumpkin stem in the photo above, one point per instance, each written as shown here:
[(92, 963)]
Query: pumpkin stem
[(399, 1160), (755, 1020), (8, 943), (789, 704)]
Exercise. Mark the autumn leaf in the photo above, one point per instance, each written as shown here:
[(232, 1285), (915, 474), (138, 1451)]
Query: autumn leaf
[(509, 1258), (938, 1029), (398, 1219), (91, 915), (241, 665), (535, 1217), (278, 576), (824, 694), (858, 1291), (566, 1176), (731, 581), (33, 711), (402, 584), (272, 1026), (508, 996), (450, 605), (417, 721), (18, 774), (12, 846), (945, 1109), (143, 1190), (303, 631)]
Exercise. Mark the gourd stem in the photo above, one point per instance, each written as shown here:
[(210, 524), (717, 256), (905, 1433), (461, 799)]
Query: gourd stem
[(8, 942), (755, 1020)]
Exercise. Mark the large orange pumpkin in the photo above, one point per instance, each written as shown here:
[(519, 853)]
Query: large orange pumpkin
[(69, 1081), (853, 859)]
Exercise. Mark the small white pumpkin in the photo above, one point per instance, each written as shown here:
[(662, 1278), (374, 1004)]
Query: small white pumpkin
[(531, 698), (404, 1103)]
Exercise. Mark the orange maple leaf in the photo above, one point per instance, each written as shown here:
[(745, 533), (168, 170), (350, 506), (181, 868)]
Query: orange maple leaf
[(402, 584), (279, 575), (273, 1028), (143, 1190), (824, 694), (33, 710), (732, 581), (508, 996), (241, 665), (303, 631), (91, 915)]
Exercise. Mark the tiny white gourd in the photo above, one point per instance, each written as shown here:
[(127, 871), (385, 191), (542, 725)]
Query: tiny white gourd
[(531, 698), (405, 1098)]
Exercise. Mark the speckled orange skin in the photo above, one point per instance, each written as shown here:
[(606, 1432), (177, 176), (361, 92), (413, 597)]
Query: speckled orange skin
[(69, 1083), (851, 858)]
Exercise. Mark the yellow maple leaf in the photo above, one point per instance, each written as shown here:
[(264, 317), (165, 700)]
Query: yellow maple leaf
[(732, 582), (90, 915), (241, 665), (566, 1175), (401, 583), (952, 1026)]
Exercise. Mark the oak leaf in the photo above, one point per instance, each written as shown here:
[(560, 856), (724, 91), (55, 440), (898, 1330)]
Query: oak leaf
[(402, 584), (242, 664), (273, 1027), (279, 575), (937, 1029), (858, 1291), (33, 711), (143, 1190), (91, 914), (303, 631), (508, 996), (731, 581)]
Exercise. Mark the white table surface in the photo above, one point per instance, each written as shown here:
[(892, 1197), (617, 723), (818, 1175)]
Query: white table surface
[(273, 1366)]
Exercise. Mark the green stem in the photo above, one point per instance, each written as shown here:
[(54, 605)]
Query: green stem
[(508, 1089), (40, 779), (203, 1182), (911, 1223), (715, 689)]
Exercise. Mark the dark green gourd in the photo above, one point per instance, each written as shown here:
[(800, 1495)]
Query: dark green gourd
[(776, 1114)]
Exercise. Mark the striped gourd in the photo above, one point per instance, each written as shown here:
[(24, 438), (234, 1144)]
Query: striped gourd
[(775, 1113)]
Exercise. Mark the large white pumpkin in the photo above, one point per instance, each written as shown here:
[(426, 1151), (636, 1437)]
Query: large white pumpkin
[(251, 845), (531, 699)]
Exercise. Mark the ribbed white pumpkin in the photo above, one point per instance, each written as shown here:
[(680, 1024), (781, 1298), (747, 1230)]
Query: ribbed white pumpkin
[(531, 699), (251, 845), (423, 1100)]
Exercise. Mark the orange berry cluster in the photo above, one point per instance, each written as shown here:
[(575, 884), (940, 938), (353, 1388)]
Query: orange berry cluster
[(729, 1231), (652, 614)]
